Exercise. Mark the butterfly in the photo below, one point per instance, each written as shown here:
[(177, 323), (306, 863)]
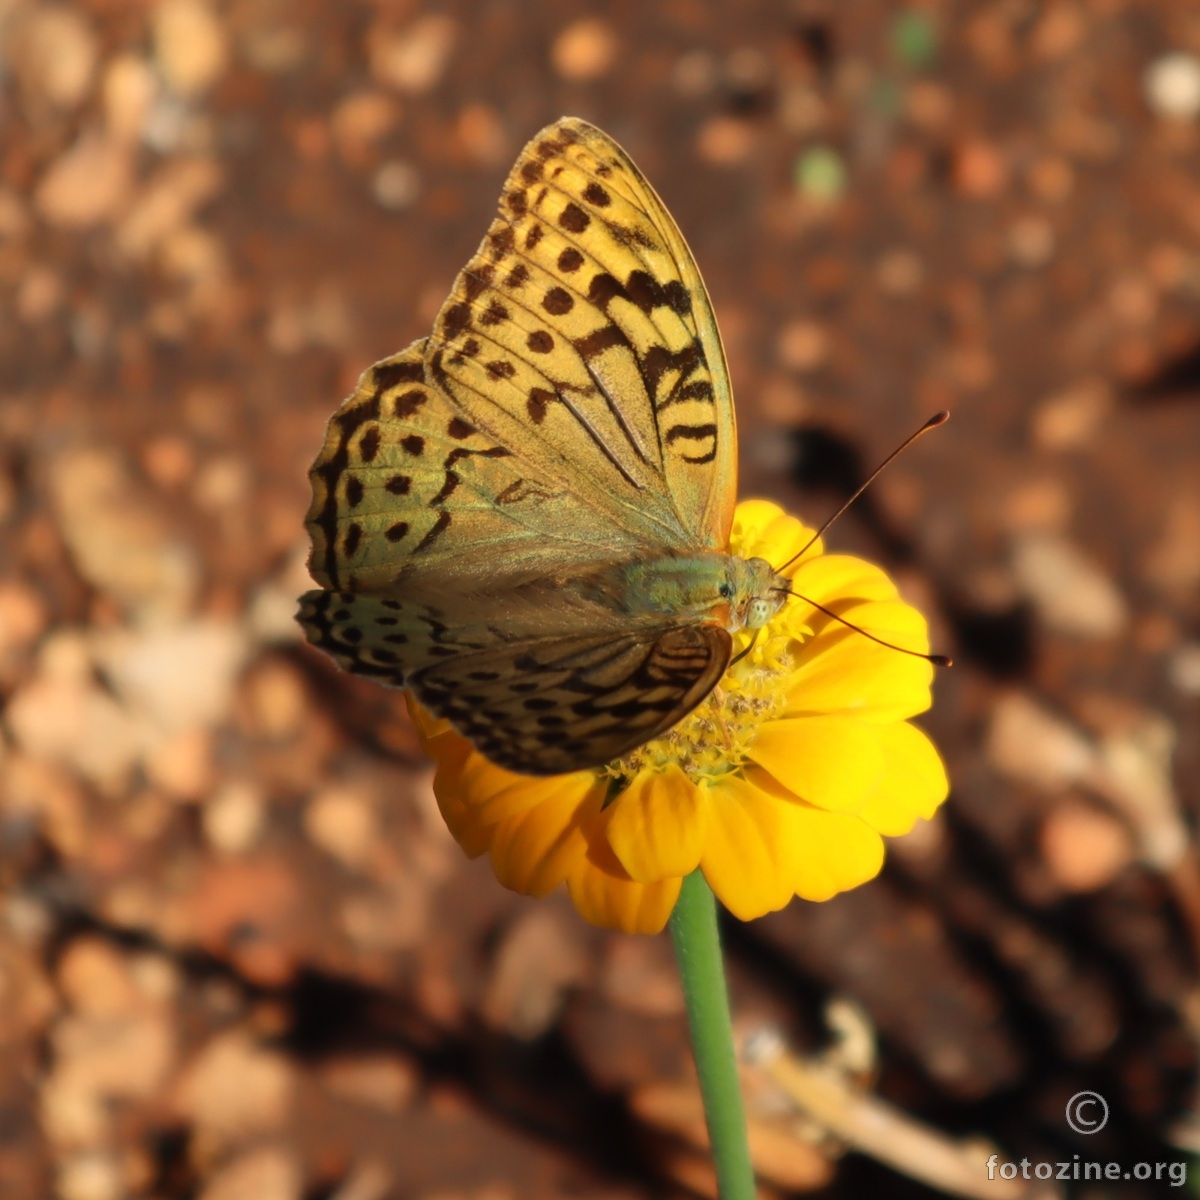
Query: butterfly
[(523, 518)]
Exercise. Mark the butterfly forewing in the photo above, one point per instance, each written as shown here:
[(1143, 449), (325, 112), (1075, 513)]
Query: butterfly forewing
[(407, 484), (583, 312)]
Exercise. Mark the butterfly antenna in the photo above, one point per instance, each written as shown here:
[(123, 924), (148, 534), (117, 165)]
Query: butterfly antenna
[(938, 660), (933, 422), (737, 658)]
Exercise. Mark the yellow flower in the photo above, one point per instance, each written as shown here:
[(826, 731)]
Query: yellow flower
[(779, 784)]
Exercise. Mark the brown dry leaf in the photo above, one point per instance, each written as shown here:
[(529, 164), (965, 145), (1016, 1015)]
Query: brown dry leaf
[(342, 821), (1083, 848), (777, 1153), (23, 618), (1172, 561), (87, 184), (1071, 594), (585, 50), (538, 959), (190, 45), (117, 536), (129, 90), (384, 1082), (639, 975), (62, 717), (360, 120), (181, 676), (52, 49), (413, 59), (725, 141), (235, 1090), (168, 202), (1028, 742), (267, 1173)]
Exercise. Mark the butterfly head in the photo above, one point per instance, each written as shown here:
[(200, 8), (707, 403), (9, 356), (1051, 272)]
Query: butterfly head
[(753, 589)]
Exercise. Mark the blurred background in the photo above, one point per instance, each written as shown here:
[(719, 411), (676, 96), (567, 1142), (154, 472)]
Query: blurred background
[(240, 958)]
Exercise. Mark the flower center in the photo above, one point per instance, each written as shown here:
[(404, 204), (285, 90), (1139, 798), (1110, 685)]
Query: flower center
[(713, 739)]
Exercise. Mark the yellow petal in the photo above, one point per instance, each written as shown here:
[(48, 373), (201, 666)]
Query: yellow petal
[(428, 726), (451, 753), (890, 620), (605, 896), (834, 852), (761, 529), (841, 577), (658, 824), (748, 853), (534, 851), (913, 782), (497, 794), (840, 671), (831, 762)]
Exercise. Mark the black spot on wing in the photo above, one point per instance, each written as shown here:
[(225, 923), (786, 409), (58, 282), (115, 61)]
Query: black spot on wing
[(494, 314), (439, 527), (558, 301), (448, 485), (573, 219), (659, 361), (347, 422), (503, 239), (595, 194), (408, 402), (455, 319), (604, 289), (388, 375), (476, 281), (648, 293), (368, 445), (600, 340), (694, 433), (538, 402)]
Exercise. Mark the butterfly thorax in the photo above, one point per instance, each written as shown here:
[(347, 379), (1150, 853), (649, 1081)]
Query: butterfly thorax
[(737, 593)]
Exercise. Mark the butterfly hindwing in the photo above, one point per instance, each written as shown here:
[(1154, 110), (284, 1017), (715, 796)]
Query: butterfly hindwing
[(383, 638), (551, 705), (541, 705)]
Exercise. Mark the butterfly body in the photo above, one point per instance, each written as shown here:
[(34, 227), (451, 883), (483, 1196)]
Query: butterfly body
[(737, 593), (523, 518)]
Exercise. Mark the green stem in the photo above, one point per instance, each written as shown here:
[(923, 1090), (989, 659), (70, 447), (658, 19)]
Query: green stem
[(698, 952)]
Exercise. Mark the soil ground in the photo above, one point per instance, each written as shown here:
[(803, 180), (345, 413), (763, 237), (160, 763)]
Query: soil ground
[(239, 956)]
